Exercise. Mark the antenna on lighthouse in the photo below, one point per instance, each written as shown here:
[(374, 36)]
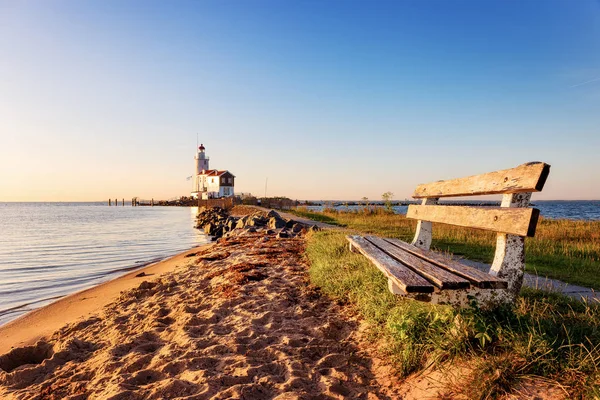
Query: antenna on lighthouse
[(196, 140), (266, 182)]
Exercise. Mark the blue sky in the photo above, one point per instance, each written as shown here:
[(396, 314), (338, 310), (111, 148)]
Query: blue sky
[(328, 99)]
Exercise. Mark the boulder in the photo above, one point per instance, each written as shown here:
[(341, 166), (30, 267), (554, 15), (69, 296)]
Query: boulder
[(272, 214), (241, 222), (276, 223), (256, 221), (283, 234)]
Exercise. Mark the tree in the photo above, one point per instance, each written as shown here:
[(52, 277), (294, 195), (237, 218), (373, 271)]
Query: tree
[(387, 198), (366, 201)]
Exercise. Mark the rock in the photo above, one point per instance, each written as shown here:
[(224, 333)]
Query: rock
[(211, 215), (140, 275), (251, 229), (241, 222), (209, 229), (297, 227), (218, 232), (272, 214), (276, 223), (290, 223), (314, 228), (256, 221), (283, 234), (270, 232)]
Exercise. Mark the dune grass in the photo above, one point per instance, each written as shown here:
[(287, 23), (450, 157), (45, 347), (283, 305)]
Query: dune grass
[(544, 335), (562, 249)]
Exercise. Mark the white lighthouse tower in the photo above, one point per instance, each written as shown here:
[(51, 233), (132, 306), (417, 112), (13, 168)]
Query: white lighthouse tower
[(201, 162)]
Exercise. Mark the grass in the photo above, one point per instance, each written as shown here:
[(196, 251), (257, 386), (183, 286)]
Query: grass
[(546, 336), (561, 249)]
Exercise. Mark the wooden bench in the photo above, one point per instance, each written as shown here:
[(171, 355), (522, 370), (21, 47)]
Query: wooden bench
[(416, 272)]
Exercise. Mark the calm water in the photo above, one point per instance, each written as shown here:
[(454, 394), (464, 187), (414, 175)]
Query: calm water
[(48, 250), (580, 210)]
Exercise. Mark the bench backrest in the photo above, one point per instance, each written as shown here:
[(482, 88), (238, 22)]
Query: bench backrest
[(513, 220), (516, 219)]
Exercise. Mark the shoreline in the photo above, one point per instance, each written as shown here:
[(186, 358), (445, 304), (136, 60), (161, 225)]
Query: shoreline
[(237, 318), (42, 322)]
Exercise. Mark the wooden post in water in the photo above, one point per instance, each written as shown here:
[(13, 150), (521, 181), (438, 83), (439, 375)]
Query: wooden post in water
[(123, 203), (152, 203), (109, 202)]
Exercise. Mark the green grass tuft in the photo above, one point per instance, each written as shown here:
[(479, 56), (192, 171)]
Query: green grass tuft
[(546, 335)]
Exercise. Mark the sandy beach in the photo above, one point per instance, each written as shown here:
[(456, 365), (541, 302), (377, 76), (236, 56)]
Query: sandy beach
[(42, 322), (236, 319)]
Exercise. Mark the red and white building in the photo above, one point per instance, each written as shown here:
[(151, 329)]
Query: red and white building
[(210, 183)]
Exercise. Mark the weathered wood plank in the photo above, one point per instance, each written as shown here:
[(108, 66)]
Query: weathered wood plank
[(477, 278), (516, 221), (405, 278), (440, 277), (529, 177)]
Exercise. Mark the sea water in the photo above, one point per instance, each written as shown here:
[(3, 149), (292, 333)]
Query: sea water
[(48, 250), (554, 209)]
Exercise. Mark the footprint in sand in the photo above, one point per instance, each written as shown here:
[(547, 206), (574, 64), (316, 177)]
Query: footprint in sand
[(144, 377)]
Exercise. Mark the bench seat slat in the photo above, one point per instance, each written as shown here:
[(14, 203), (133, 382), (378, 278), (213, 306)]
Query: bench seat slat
[(477, 278), (440, 277), (528, 177), (404, 277), (516, 221)]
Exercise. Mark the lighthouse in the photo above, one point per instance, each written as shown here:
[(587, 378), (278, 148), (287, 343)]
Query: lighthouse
[(210, 183), (201, 160)]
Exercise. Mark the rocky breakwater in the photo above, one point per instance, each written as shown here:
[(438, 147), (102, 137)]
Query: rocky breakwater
[(217, 223)]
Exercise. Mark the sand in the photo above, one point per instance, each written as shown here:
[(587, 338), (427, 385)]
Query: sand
[(238, 319), (44, 321)]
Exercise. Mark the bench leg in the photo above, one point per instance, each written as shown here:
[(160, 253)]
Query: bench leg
[(422, 237), (509, 261), (395, 289)]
